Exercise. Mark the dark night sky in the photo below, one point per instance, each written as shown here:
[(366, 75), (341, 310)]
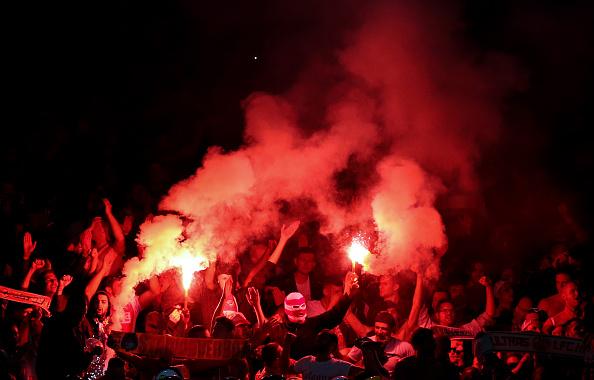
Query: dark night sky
[(100, 91)]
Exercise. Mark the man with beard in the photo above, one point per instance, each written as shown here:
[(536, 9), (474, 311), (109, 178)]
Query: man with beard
[(99, 318), (394, 349)]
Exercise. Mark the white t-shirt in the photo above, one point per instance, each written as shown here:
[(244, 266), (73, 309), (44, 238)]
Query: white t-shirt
[(314, 370), (304, 289), (129, 314), (395, 350)]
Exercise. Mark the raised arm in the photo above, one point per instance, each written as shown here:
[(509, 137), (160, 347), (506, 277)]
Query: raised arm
[(286, 233), (95, 281), (359, 327), (118, 234), (35, 266), (490, 304), (334, 316), (412, 322), (413, 316), (61, 300), (253, 298)]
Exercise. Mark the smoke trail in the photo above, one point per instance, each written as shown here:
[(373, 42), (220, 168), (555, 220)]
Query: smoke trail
[(404, 122)]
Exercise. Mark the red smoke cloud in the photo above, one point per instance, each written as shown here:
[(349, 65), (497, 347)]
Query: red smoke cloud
[(411, 107)]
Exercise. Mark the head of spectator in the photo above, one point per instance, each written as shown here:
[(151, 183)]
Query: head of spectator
[(508, 274), (295, 308), (153, 323), (439, 295), (226, 275), (477, 270), (222, 328), (562, 278), (169, 374), (534, 320), (445, 314), (198, 331), (113, 285), (504, 293), (50, 282), (423, 342), (331, 292), (99, 232), (456, 353), (256, 251), (271, 354), (388, 287), (560, 257), (383, 326), (571, 295), (305, 261), (325, 344), (100, 305), (242, 328), (521, 309), (457, 292)]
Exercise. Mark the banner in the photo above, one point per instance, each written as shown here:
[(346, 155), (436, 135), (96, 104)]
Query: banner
[(25, 297), (531, 342), (452, 332), (187, 348)]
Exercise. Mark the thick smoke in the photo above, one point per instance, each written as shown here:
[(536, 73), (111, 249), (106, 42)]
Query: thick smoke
[(405, 121)]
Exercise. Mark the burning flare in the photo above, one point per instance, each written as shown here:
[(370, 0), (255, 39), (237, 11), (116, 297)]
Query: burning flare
[(188, 265), (357, 252)]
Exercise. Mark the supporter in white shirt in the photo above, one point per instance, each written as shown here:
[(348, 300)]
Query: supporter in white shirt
[(394, 349)]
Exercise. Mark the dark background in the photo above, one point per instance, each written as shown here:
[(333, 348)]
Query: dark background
[(122, 99)]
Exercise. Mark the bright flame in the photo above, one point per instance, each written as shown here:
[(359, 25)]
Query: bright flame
[(357, 252), (188, 265)]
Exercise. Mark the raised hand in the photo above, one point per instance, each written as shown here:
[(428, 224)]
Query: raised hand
[(351, 282), (485, 281), (288, 231), (107, 205), (253, 296), (28, 246), (65, 281), (37, 264), (272, 322)]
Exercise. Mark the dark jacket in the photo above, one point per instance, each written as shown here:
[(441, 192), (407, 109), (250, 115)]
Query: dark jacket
[(306, 332)]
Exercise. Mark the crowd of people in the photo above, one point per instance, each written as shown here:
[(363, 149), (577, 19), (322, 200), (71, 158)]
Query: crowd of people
[(296, 315)]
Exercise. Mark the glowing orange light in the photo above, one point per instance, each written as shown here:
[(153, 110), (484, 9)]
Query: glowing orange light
[(189, 264), (357, 252)]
